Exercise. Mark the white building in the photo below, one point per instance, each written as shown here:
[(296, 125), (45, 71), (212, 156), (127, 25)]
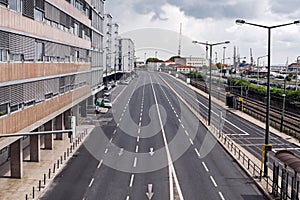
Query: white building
[(196, 62), (110, 44), (125, 55)]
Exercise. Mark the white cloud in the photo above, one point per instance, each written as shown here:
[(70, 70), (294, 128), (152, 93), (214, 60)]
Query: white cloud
[(214, 21)]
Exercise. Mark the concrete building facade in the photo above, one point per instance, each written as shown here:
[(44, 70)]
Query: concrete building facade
[(51, 64), (110, 44), (126, 55)]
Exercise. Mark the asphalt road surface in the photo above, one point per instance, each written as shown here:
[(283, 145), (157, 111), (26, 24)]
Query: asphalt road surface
[(150, 146)]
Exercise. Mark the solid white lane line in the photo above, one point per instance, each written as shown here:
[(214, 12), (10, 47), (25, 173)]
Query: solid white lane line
[(135, 162), (197, 152), (136, 148), (172, 172), (205, 167), (100, 163), (131, 180), (221, 195), (138, 139), (213, 181), (191, 141), (91, 183), (106, 150)]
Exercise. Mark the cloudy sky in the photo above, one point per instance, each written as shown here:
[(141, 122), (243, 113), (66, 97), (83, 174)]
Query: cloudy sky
[(154, 27)]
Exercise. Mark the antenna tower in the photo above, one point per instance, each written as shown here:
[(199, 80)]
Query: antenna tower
[(180, 38)]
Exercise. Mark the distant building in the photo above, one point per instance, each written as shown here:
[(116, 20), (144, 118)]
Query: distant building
[(125, 55), (294, 67), (185, 69), (110, 45), (196, 62)]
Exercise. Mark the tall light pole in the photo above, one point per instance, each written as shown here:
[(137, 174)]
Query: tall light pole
[(240, 22), (210, 62), (298, 58), (258, 66)]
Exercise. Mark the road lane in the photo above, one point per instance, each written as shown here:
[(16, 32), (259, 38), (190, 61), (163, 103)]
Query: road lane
[(212, 176), (132, 140)]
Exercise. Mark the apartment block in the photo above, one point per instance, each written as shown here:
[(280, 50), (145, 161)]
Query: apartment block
[(51, 67)]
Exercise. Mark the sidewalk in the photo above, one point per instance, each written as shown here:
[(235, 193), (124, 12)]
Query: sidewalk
[(52, 161)]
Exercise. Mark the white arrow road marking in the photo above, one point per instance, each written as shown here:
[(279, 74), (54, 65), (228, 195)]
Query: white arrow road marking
[(151, 151), (121, 151), (150, 193)]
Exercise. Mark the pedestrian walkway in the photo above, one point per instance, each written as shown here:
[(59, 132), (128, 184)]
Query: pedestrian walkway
[(38, 175)]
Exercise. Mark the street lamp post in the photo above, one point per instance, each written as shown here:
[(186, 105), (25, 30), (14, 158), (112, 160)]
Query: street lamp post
[(210, 63), (298, 58), (240, 22)]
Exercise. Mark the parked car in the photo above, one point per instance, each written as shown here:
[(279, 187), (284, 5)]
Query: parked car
[(106, 93), (106, 103)]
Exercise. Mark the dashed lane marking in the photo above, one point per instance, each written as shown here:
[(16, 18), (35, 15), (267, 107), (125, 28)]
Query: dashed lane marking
[(135, 162), (131, 180), (191, 141), (91, 183), (213, 181), (197, 152), (205, 167), (221, 196), (100, 163)]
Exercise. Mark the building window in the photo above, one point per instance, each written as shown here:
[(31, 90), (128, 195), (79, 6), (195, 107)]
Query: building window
[(76, 29), (39, 51), (16, 57), (3, 55), (38, 15), (3, 109), (15, 5)]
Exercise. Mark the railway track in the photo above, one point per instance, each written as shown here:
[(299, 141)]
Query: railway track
[(290, 124)]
